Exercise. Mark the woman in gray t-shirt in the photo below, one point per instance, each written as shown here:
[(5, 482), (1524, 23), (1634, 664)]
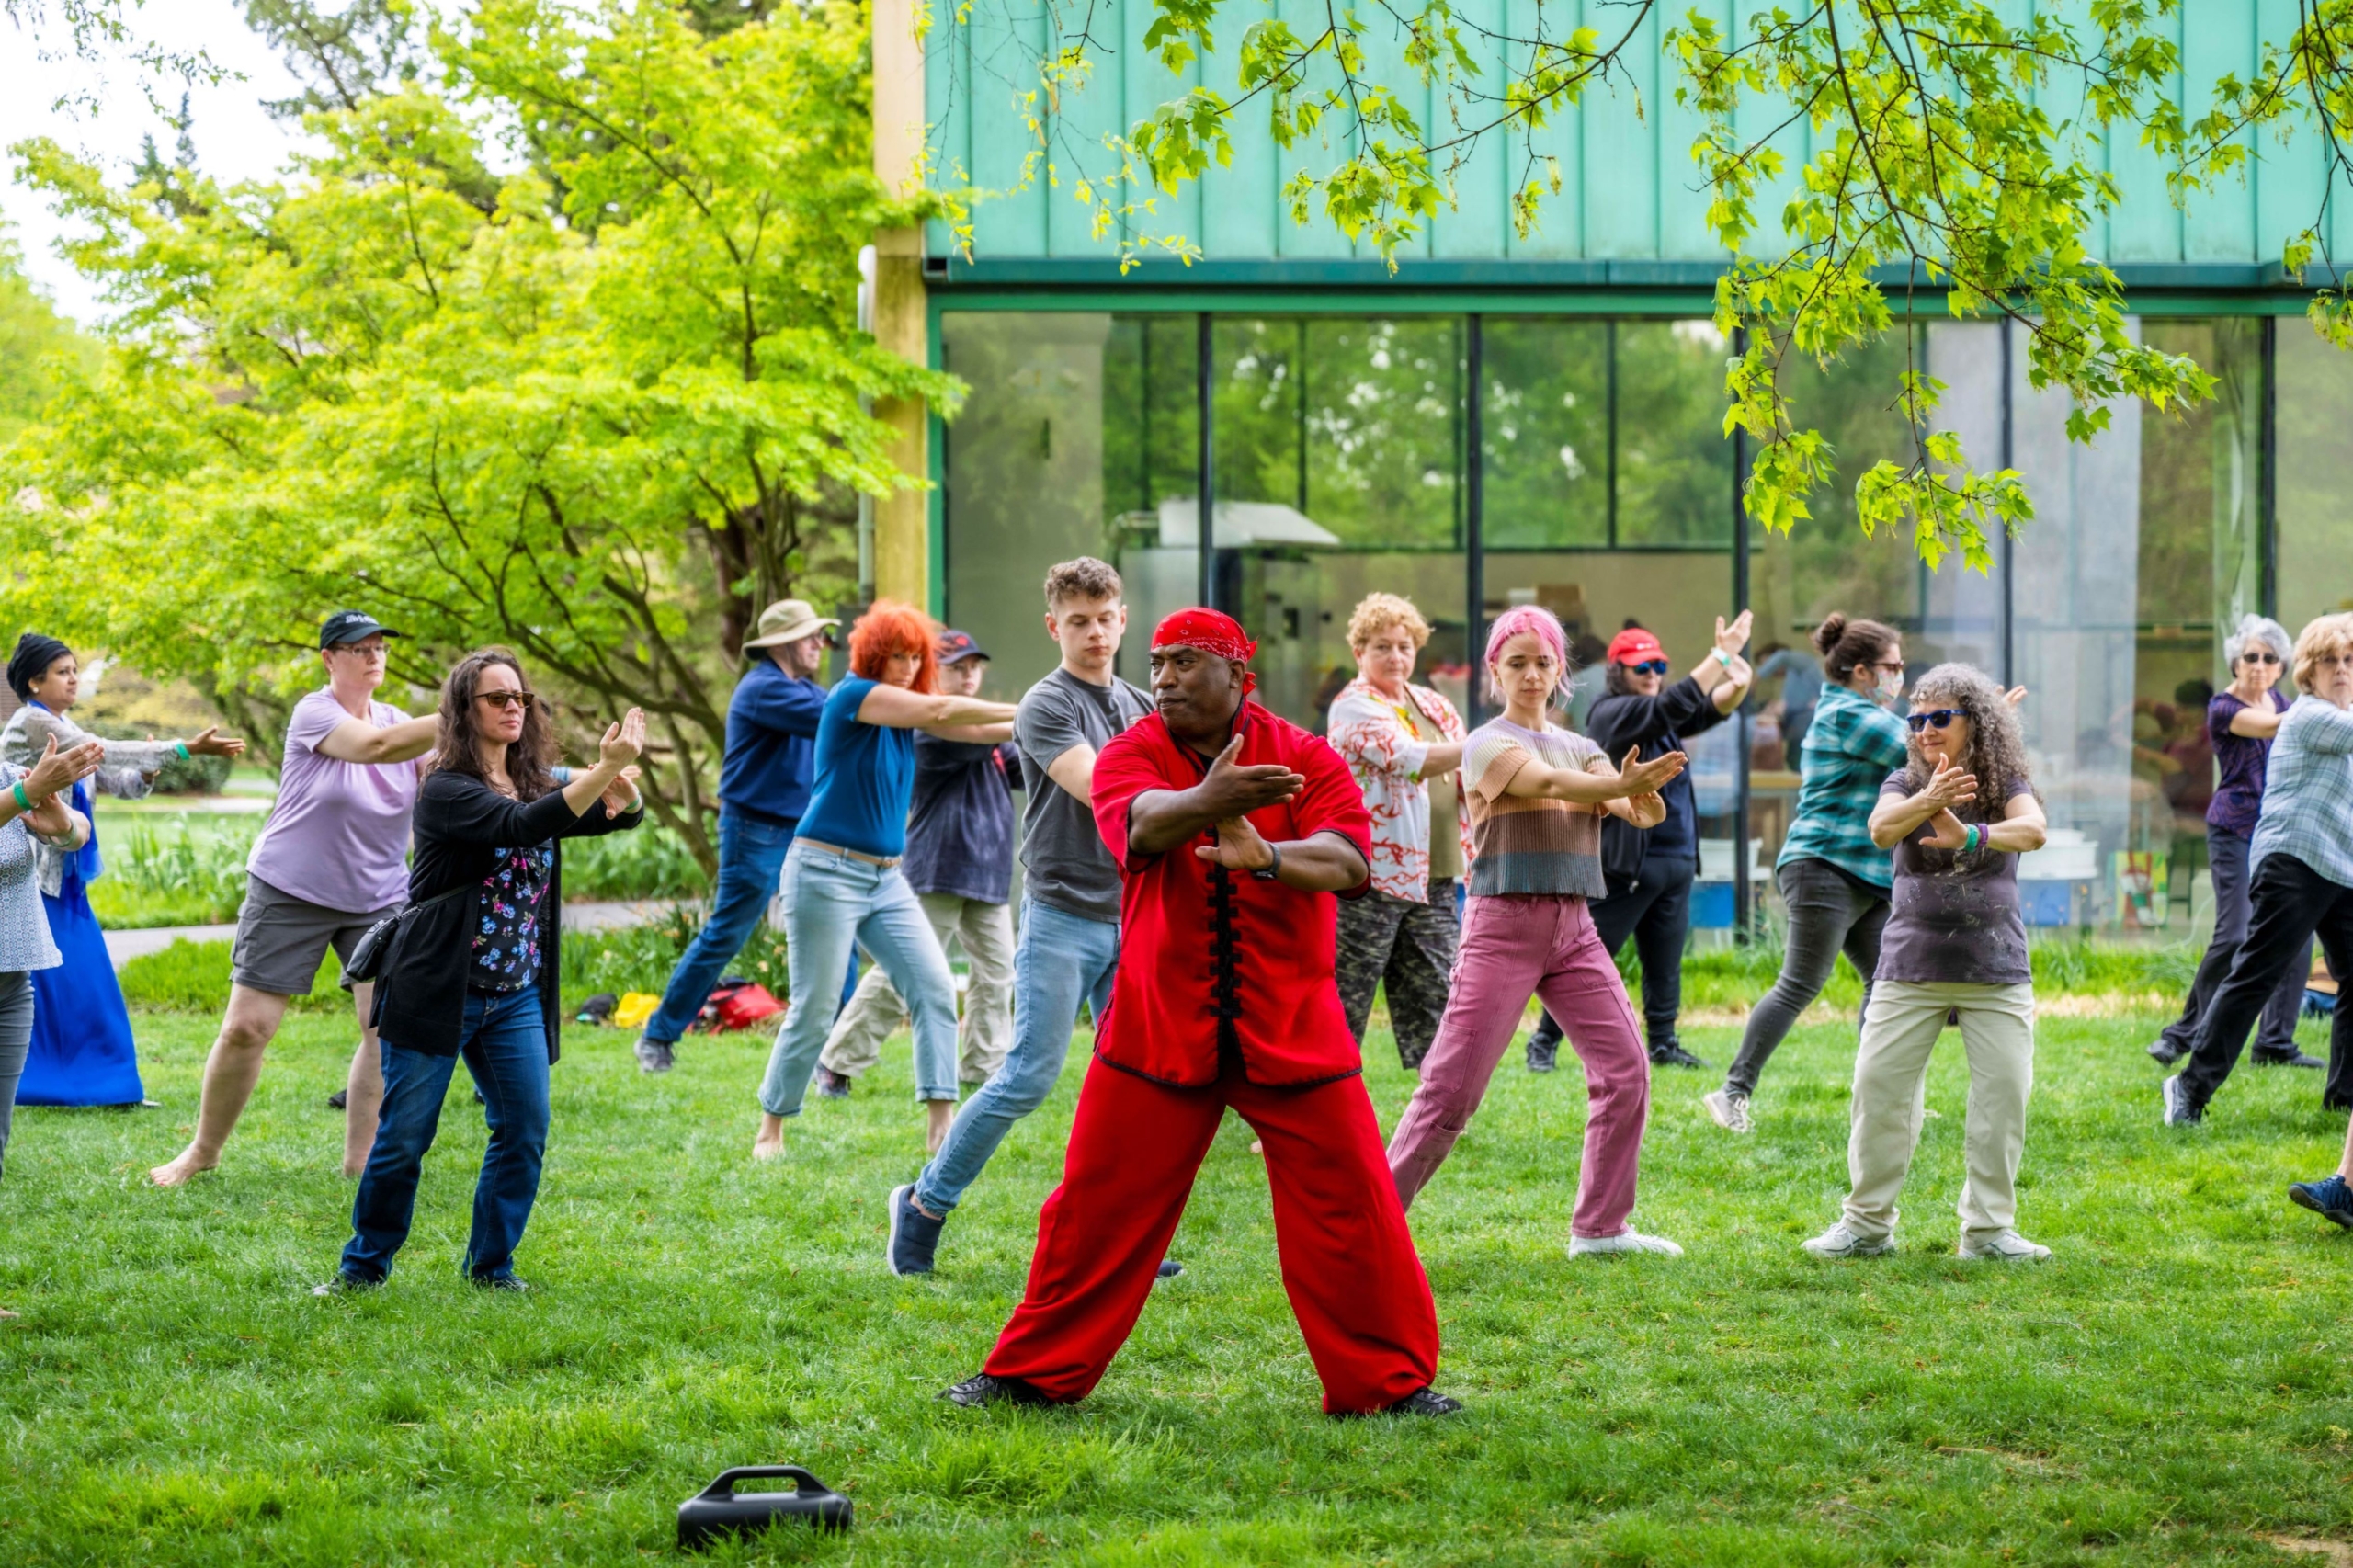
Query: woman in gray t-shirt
[(1957, 815)]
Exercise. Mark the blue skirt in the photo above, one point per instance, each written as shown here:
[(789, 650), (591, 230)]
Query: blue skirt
[(81, 1052)]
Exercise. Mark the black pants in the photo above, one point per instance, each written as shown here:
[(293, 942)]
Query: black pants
[(1655, 908), (2292, 903), (2226, 853), (1829, 911)]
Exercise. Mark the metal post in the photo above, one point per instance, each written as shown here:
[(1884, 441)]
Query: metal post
[(1474, 508), (2010, 546), (1206, 506), (1742, 896), (2267, 478)]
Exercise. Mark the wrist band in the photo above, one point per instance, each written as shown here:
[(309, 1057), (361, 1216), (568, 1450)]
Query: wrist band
[(181, 747), (1970, 839), (23, 804), (1724, 658)]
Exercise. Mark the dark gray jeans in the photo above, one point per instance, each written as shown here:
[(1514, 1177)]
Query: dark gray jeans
[(2226, 852), (1829, 913), (16, 1039)]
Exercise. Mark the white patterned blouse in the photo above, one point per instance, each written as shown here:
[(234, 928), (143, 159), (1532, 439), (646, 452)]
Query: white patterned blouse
[(129, 769), (23, 926)]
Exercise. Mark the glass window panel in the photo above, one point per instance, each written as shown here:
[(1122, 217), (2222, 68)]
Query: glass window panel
[(1674, 462), (1546, 431), (1078, 432), (2315, 412)]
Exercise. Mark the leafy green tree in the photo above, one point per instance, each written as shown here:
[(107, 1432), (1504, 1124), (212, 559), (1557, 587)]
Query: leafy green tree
[(603, 427), (38, 348)]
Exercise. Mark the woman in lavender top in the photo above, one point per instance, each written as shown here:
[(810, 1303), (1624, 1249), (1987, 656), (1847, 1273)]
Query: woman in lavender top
[(2240, 721), (82, 1052)]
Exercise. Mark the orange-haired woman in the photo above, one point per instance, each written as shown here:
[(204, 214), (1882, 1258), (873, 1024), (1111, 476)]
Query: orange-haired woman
[(841, 876)]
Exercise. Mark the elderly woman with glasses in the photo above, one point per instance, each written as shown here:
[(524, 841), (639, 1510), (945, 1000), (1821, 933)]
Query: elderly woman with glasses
[(2240, 721), (1957, 815)]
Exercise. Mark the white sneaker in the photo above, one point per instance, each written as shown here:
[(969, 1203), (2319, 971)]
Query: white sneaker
[(1624, 1241), (1729, 1110), (1842, 1241), (2003, 1246)]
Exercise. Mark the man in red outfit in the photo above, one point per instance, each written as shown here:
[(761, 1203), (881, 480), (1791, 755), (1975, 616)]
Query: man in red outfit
[(1234, 830)]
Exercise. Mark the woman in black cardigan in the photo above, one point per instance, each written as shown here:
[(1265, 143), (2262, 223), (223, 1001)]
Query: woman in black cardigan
[(472, 968)]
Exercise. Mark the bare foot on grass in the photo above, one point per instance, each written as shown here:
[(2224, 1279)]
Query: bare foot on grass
[(770, 1144), (189, 1165)]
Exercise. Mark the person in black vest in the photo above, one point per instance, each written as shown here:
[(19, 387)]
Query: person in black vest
[(472, 969), (1649, 874)]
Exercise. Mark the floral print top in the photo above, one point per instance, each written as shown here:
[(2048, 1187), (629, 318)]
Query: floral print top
[(1382, 750), (507, 937)]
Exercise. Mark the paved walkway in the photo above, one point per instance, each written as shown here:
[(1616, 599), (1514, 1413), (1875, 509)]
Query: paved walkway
[(124, 945)]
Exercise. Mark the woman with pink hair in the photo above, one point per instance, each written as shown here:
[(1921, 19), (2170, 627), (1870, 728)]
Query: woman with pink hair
[(1537, 794)]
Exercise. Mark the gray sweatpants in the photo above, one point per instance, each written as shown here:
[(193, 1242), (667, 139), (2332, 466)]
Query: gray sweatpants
[(1829, 911), (16, 1039)]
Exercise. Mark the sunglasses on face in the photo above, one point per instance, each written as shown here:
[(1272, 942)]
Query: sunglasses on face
[(1649, 667), (506, 699), (1943, 719), (2254, 656)]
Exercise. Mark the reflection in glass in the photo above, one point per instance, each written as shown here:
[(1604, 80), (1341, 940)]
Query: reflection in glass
[(2315, 413), (1547, 432)]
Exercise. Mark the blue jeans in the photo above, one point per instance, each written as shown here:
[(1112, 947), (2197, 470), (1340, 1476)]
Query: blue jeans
[(503, 1040), (750, 855), (1061, 961), (830, 902)]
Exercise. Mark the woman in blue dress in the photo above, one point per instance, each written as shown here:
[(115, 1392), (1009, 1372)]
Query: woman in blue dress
[(81, 1053)]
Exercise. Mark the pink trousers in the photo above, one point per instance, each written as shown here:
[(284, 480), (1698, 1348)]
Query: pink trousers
[(1513, 947)]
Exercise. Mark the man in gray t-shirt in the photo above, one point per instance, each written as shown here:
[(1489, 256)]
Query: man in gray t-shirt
[(1070, 897)]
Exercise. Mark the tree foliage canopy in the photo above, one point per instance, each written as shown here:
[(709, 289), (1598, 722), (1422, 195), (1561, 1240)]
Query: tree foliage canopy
[(589, 390)]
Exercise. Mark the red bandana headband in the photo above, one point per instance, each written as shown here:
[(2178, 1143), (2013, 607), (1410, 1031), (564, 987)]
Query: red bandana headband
[(1214, 634)]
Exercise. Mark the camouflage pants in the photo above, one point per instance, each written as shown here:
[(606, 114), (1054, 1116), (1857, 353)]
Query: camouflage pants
[(1408, 948)]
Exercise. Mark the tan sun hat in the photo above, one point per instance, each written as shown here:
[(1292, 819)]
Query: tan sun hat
[(788, 620)]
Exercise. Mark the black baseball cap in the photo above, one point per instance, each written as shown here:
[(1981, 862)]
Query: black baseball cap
[(350, 626), (954, 647)]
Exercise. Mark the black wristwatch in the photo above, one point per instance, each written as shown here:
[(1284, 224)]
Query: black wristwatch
[(1266, 873)]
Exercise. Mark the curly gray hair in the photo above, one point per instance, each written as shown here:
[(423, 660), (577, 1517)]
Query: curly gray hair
[(1996, 749), (2258, 629)]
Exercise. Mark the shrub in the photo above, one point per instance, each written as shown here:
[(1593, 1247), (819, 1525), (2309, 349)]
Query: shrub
[(193, 977), (647, 862), (639, 958), (190, 872)]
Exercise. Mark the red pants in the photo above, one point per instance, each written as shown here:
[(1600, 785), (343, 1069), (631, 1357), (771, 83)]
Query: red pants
[(1348, 1262)]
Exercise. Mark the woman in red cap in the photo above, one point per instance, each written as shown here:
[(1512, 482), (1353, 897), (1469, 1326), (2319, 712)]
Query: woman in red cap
[(1649, 875), (1234, 830)]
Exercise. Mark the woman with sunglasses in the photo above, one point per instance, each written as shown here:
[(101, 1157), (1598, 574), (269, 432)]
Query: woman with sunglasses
[(2241, 721), (471, 971), (1649, 875), (1834, 880), (1957, 816)]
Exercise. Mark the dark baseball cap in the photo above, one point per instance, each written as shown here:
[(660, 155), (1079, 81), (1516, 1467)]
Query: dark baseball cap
[(954, 647), (350, 626)]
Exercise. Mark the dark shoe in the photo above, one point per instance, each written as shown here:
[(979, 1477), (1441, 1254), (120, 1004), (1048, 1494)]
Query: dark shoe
[(653, 1055), (1543, 1054), (2329, 1198), (981, 1388), (1673, 1055), (1170, 1268), (914, 1236), (833, 1086), (2164, 1053), (2285, 1059), (497, 1282), (345, 1285), (2178, 1110), (339, 1099), (1424, 1402)]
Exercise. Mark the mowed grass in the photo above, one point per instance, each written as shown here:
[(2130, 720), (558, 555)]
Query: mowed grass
[(2173, 1388)]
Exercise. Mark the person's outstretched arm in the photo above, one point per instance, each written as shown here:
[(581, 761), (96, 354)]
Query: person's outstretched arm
[(355, 740), (895, 709)]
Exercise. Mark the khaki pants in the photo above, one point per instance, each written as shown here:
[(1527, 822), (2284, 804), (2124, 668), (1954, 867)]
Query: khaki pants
[(1899, 1030), (985, 931)]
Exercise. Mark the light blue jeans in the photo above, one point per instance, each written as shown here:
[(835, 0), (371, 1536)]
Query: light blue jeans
[(831, 901), (1061, 959)]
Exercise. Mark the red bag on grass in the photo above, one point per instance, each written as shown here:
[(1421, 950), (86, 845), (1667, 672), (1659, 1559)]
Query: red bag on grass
[(739, 1007)]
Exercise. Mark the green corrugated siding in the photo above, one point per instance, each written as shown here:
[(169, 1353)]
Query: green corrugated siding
[(1629, 193)]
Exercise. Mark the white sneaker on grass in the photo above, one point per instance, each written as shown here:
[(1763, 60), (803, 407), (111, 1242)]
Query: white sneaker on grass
[(1729, 1109), (2003, 1246), (1624, 1241), (1842, 1240)]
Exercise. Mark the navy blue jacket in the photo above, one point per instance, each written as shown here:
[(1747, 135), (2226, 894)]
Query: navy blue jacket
[(771, 734)]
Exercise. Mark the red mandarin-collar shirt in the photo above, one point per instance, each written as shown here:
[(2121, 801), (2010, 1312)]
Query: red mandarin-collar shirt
[(1212, 960)]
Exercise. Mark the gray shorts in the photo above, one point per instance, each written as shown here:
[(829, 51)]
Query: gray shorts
[(281, 941)]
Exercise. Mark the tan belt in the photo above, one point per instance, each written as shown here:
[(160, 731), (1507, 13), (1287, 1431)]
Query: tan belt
[(886, 861)]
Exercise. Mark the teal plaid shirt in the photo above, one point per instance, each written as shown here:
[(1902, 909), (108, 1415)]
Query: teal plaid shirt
[(2308, 791), (1851, 746)]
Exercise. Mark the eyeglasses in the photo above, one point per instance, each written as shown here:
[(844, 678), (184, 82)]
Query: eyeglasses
[(1650, 667), (2260, 656), (507, 699), (1943, 719), (359, 650)]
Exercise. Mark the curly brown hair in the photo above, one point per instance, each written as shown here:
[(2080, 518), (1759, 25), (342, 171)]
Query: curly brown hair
[(1996, 749), (456, 744)]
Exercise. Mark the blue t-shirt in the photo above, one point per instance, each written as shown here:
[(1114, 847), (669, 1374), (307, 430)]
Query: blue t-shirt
[(865, 775), (771, 719)]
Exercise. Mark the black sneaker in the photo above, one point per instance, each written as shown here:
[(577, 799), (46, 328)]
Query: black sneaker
[(340, 1098), (1543, 1054), (2329, 1198), (914, 1236), (833, 1086), (1423, 1400), (2178, 1110), (345, 1285), (2165, 1053), (1673, 1055), (1169, 1268), (981, 1388), (497, 1282), (2285, 1059)]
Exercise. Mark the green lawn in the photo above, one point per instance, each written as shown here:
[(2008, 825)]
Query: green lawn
[(2172, 1388)]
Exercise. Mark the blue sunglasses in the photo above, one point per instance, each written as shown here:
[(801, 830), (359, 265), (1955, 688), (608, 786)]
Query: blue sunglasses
[(1650, 667), (1943, 719)]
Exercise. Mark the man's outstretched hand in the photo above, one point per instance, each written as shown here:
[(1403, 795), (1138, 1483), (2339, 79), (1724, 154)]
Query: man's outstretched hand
[(1238, 847), (1230, 788)]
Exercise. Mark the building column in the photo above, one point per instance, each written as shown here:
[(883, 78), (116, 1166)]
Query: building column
[(901, 324)]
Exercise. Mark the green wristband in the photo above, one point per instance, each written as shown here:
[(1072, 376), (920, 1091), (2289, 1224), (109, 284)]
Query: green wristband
[(23, 802), (181, 747)]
